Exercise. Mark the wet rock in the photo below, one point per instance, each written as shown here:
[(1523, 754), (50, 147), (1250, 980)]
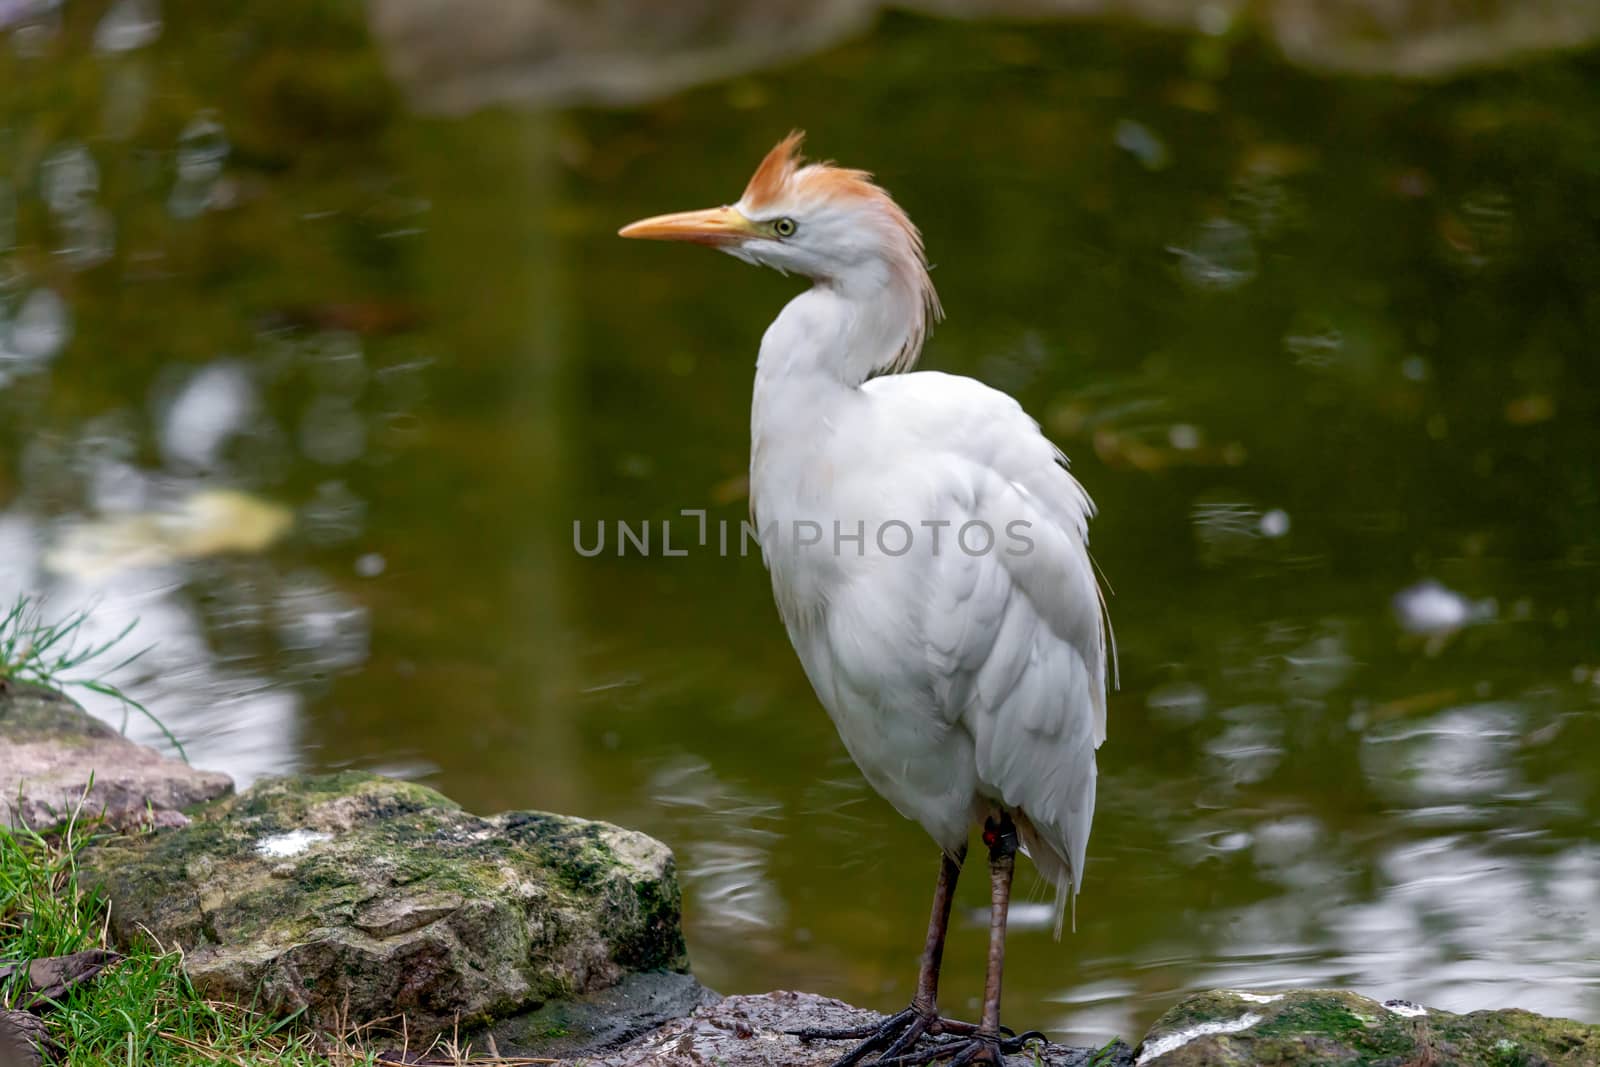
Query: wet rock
[(752, 1031), (355, 897), (50, 748), (598, 1022), (1321, 1028)]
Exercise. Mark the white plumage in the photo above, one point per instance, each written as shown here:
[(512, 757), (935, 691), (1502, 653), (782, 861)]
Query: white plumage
[(955, 679), (927, 546)]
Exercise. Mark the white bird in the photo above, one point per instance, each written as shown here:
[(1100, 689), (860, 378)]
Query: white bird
[(928, 554)]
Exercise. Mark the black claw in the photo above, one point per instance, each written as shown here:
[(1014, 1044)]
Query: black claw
[(960, 1052), (910, 1038), (876, 1037), (809, 1035), (1018, 1042), (914, 1059), (893, 1024), (907, 1038), (979, 1050)]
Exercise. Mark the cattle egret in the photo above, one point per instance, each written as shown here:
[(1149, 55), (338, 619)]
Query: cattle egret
[(928, 553)]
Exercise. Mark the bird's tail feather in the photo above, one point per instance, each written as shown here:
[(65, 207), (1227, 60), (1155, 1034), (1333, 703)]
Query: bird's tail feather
[(1053, 866)]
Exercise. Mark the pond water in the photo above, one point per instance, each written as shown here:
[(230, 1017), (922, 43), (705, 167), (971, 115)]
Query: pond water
[(315, 387)]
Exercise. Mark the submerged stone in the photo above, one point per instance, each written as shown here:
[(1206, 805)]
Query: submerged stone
[(355, 897), (51, 750), (1321, 1028)]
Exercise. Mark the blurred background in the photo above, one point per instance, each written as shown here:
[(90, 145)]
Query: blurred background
[(315, 340)]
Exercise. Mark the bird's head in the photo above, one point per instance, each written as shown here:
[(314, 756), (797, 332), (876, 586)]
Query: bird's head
[(831, 224)]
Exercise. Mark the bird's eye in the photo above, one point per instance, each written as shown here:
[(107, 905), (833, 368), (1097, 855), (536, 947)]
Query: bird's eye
[(784, 227)]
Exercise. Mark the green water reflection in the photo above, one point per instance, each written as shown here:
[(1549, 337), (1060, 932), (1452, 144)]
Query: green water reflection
[(1311, 343)]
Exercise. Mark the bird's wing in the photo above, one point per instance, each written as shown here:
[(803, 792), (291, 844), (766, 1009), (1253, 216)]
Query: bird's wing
[(1016, 635)]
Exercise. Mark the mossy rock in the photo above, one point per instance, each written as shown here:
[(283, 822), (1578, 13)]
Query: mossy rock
[(1322, 1028), (356, 897)]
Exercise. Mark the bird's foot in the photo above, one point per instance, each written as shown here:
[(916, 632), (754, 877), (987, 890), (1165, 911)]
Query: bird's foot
[(899, 1033), (975, 1048)]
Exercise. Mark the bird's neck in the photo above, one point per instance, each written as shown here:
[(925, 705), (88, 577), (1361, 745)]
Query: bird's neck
[(814, 358), (842, 331)]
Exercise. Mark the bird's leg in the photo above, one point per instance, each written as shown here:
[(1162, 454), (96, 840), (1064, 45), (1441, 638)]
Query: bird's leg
[(925, 1005), (901, 1030), (984, 1044), (1001, 838), (944, 893)]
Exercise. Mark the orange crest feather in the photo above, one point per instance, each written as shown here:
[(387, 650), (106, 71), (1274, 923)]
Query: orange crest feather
[(767, 183), (785, 173)]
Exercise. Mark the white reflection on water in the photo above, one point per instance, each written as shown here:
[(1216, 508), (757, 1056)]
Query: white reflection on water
[(1142, 143), (235, 644), (1431, 609), (336, 363), (202, 149), (1465, 755), (228, 719), (34, 26), (1461, 925), (1179, 703), (1314, 342), (40, 329), (833, 805), (334, 515), (727, 836), (1219, 256), (1227, 528), (1093, 1010), (1289, 851), (1482, 230), (1458, 921), (179, 557), (69, 180), (213, 405), (325, 630), (128, 25), (1251, 746), (332, 431)]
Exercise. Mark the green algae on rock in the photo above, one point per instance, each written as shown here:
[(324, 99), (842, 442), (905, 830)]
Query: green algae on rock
[(1321, 1028), (354, 897)]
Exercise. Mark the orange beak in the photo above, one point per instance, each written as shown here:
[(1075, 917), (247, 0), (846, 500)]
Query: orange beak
[(713, 226)]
